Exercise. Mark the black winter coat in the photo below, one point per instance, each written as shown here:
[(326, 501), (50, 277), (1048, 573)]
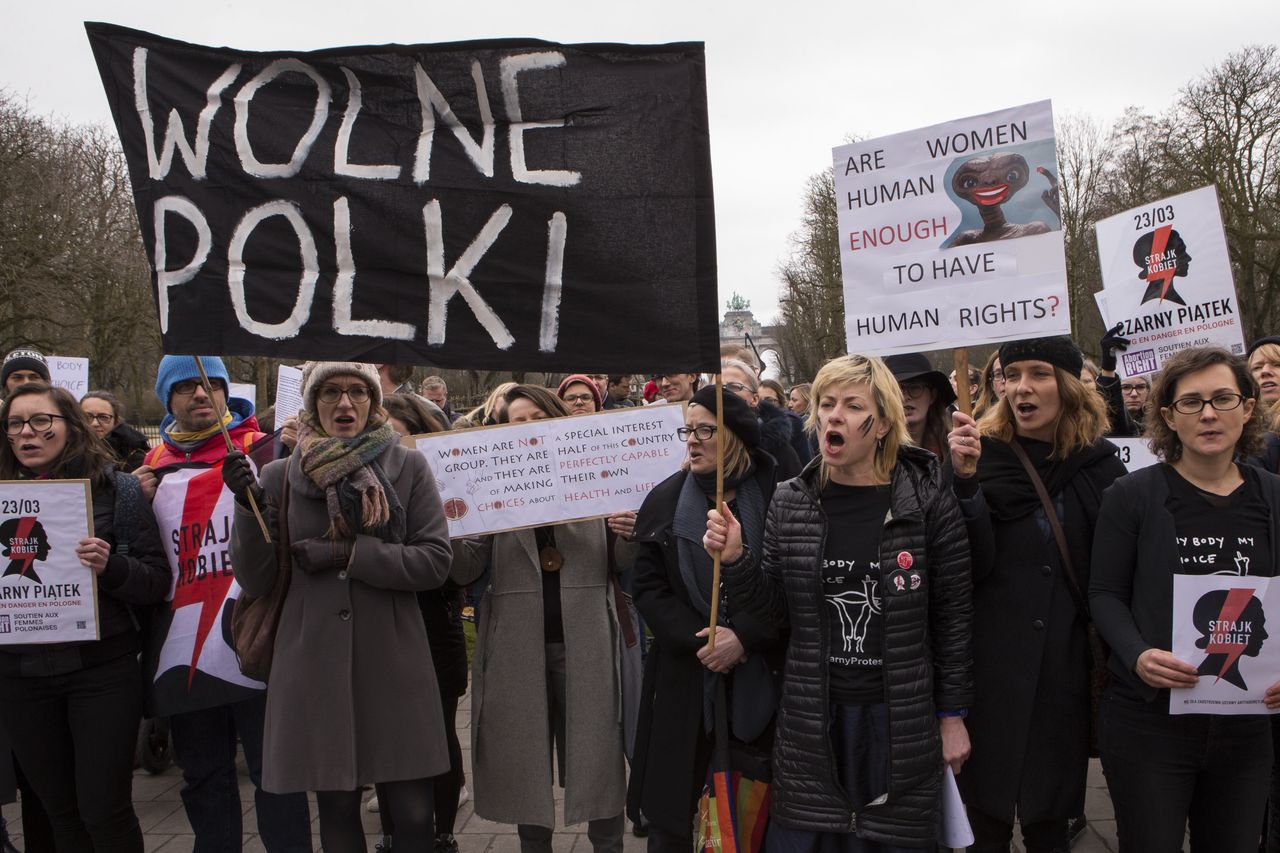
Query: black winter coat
[(663, 781), (928, 666), (1029, 725)]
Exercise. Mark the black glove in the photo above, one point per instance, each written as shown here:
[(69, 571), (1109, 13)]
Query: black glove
[(321, 555), (1111, 341), (238, 475)]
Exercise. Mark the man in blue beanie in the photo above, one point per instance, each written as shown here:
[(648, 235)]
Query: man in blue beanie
[(193, 676)]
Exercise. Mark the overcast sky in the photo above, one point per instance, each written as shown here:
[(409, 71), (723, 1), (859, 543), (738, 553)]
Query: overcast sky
[(787, 81)]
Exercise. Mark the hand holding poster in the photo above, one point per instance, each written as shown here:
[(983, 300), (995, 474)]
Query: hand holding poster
[(458, 204), (1162, 300), (951, 235), (552, 471), (46, 594), (1220, 626)]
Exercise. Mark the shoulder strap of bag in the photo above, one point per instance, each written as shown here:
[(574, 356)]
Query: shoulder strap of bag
[(285, 552), (1073, 582), (128, 498)]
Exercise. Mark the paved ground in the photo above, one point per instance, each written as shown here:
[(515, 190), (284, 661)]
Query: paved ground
[(164, 823)]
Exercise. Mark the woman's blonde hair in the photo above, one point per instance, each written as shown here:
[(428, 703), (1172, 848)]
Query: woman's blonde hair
[(987, 396), (872, 372), (737, 458), (1082, 421), (1271, 413)]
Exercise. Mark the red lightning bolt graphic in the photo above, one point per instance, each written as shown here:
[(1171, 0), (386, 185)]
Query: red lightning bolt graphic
[(25, 525), (1231, 610), (203, 491), (1160, 242)]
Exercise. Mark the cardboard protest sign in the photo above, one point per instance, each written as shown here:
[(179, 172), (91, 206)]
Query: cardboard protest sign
[(288, 392), (1220, 626), (552, 471), (480, 204), (46, 595), (1166, 302), (950, 235), (1135, 453), (71, 373)]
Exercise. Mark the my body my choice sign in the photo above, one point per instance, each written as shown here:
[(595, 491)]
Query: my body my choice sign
[(950, 235), (480, 204)]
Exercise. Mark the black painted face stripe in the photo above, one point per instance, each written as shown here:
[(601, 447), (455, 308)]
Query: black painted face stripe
[(866, 425)]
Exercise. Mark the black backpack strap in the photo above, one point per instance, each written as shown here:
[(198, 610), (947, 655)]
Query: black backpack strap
[(128, 499)]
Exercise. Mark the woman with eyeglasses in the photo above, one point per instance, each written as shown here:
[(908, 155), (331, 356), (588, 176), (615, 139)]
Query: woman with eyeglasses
[(105, 414), (1200, 511), (992, 386), (926, 396), (1030, 720), (545, 691), (353, 698), (72, 710), (673, 592), (781, 433)]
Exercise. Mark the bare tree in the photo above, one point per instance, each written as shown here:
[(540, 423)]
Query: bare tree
[(1085, 151)]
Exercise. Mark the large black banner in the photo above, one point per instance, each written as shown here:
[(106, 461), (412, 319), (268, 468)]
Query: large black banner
[(512, 204)]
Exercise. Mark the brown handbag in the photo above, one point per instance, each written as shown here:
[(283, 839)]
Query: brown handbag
[(1098, 650), (255, 619)]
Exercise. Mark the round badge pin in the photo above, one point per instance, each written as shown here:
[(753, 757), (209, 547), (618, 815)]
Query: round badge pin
[(905, 560)]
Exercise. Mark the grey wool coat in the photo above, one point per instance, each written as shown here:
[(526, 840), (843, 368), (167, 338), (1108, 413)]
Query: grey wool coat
[(511, 757), (352, 698)]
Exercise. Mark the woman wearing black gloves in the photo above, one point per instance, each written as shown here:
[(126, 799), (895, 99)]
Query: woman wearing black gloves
[(1108, 384), (672, 589), (1198, 512), (73, 709), (1030, 721), (353, 697), (865, 561)]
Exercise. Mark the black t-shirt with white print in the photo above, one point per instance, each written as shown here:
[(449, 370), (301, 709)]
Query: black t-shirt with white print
[(851, 584), (1220, 534)]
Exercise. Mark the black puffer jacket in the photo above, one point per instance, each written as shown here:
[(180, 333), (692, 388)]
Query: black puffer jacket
[(928, 664)]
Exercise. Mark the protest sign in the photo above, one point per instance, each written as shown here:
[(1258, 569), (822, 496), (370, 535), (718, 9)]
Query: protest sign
[(951, 236), (46, 595), (1163, 301), (1135, 453), (288, 392), (244, 391), (480, 204), (69, 372), (1220, 627), (194, 666), (552, 471)]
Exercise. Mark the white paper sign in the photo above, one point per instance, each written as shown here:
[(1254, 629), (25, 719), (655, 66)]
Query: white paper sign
[(552, 471), (1167, 277), (1222, 625), (950, 235), (69, 372), (46, 595), (1135, 453), (244, 391), (288, 392)]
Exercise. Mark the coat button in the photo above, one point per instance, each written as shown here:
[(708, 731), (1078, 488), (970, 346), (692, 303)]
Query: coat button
[(342, 575), (1046, 570), (345, 615), (1038, 624)]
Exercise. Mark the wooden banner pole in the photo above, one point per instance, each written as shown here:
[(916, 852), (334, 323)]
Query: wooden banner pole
[(963, 399), (715, 560), (226, 436)]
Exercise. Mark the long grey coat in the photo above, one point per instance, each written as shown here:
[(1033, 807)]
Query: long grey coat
[(352, 697), (510, 746)]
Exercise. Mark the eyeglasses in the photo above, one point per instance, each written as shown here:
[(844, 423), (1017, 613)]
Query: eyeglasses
[(39, 423), (1135, 388), (187, 387), (701, 433), (736, 387), (1220, 403), (997, 376), (577, 398), (101, 419), (913, 390), (332, 393)]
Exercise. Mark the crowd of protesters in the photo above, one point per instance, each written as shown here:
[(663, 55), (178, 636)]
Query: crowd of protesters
[(906, 590)]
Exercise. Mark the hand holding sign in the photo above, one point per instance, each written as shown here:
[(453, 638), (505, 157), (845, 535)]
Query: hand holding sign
[(966, 445), (1161, 669), (93, 554)]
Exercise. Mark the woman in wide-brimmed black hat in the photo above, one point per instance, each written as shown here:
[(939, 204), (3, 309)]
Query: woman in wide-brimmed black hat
[(926, 394)]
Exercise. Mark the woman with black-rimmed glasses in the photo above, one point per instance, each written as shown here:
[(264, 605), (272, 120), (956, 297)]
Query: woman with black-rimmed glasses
[(1200, 511)]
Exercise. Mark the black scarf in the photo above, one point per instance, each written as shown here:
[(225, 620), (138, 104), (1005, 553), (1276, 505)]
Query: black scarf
[(1008, 490)]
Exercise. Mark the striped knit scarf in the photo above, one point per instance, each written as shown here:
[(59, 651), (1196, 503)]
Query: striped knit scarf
[(358, 495)]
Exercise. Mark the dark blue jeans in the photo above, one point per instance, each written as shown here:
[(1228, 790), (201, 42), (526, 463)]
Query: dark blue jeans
[(74, 735), (1165, 772), (204, 743)]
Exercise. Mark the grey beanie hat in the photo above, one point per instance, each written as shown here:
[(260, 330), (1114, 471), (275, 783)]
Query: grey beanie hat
[(314, 373)]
